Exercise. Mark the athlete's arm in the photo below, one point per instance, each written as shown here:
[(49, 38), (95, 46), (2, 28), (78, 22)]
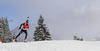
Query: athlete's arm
[(21, 25)]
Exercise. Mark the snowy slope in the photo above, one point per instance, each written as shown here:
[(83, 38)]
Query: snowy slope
[(62, 45)]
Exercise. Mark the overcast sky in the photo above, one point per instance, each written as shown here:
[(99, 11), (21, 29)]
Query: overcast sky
[(64, 18)]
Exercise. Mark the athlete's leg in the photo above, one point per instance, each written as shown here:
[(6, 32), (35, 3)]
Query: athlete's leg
[(25, 34), (19, 34)]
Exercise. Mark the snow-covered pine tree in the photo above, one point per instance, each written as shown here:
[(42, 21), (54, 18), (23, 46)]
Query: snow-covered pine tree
[(5, 34), (77, 38), (1, 29), (41, 33)]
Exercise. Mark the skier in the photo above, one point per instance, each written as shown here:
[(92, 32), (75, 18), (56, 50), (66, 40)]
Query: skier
[(24, 29)]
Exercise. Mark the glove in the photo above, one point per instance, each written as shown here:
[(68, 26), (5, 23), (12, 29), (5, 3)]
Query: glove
[(19, 28)]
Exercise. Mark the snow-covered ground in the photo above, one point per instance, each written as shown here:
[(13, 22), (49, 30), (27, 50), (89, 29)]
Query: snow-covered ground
[(61, 45)]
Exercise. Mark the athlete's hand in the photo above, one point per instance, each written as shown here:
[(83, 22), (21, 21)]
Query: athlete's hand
[(19, 28)]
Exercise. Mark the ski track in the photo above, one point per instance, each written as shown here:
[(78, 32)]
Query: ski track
[(61, 45)]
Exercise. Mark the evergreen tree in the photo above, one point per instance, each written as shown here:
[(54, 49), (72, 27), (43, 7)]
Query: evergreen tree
[(5, 34), (41, 33), (77, 38)]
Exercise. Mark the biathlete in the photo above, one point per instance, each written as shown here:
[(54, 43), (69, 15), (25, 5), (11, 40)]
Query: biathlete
[(24, 29)]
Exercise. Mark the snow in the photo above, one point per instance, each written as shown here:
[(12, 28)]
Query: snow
[(57, 45)]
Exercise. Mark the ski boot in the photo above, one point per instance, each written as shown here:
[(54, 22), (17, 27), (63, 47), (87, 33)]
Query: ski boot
[(25, 40), (14, 40)]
